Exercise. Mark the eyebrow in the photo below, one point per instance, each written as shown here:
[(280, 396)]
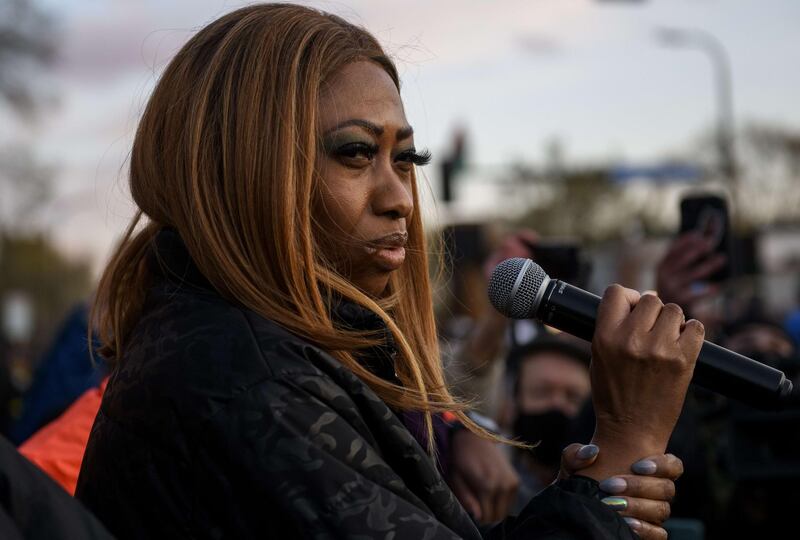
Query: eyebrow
[(402, 133)]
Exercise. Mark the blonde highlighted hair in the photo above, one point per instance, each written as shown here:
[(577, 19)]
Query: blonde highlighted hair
[(225, 153)]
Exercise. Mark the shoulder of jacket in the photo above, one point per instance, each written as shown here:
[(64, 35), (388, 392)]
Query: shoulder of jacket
[(201, 346)]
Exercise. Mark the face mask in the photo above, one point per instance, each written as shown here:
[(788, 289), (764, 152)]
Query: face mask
[(549, 429)]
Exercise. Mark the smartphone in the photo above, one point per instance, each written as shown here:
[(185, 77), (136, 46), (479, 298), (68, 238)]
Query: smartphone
[(707, 214), (562, 260)]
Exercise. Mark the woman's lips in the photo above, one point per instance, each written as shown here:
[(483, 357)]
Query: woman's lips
[(389, 250)]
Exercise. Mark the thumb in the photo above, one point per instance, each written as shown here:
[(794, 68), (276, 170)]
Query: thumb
[(576, 457)]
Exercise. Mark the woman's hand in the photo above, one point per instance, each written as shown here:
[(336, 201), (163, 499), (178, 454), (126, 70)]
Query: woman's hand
[(643, 357), (642, 498)]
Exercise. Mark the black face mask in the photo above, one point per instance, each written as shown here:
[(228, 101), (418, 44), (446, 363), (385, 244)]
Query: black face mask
[(549, 429)]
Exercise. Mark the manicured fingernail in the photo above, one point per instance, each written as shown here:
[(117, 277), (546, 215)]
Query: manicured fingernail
[(587, 451), (614, 485), (633, 523), (644, 466), (616, 503)]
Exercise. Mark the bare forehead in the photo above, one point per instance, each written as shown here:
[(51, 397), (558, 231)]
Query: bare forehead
[(361, 90)]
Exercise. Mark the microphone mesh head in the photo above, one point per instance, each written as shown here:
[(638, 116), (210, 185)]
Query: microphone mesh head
[(501, 287)]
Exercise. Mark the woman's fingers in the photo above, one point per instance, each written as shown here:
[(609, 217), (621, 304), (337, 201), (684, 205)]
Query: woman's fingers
[(646, 531), (645, 314), (691, 338), (650, 510), (614, 308), (576, 457), (642, 487), (669, 322), (661, 466)]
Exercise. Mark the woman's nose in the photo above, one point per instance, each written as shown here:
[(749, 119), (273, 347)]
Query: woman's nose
[(393, 195)]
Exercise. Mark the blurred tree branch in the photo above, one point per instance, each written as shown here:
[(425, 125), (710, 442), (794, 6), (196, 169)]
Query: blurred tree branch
[(770, 144), (25, 187), (27, 48), (27, 43)]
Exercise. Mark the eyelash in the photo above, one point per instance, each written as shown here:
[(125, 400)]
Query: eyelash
[(353, 150), (420, 159)]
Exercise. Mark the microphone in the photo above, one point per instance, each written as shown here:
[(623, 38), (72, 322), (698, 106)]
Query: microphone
[(520, 289)]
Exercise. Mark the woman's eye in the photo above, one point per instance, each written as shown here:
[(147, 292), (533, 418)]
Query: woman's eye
[(420, 159), (357, 151)]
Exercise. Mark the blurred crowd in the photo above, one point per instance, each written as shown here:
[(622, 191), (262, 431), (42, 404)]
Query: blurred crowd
[(525, 381), (741, 464)]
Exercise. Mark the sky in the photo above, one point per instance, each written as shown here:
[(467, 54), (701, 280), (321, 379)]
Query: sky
[(516, 74)]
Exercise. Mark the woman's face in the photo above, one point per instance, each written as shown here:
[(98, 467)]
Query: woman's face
[(366, 161)]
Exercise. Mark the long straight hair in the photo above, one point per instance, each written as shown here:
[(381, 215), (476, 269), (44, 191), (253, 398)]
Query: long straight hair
[(226, 154)]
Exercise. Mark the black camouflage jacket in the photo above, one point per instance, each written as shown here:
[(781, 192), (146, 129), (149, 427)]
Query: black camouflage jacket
[(218, 423)]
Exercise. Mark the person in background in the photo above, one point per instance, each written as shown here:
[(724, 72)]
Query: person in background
[(58, 447), (791, 323), (550, 386), (33, 507), (758, 449), (474, 344), (682, 272), (7, 392), (64, 373), (762, 338), (474, 357)]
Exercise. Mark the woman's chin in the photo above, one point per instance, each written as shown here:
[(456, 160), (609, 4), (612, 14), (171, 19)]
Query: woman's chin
[(375, 285)]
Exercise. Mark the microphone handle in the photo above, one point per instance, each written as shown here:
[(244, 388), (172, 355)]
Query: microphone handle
[(569, 309), (574, 311)]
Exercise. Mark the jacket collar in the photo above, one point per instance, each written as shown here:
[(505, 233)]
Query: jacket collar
[(170, 260), (380, 358)]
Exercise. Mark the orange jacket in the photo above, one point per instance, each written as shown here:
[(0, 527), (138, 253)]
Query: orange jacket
[(58, 447)]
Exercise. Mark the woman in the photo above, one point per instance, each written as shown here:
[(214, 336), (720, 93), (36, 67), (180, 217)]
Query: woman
[(272, 318)]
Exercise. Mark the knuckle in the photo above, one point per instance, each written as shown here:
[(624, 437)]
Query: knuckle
[(697, 327), (615, 287), (651, 300), (569, 451), (659, 351), (632, 346), (674, 309), (491, 486), (661, 355), (677, 464), (613, 290), (602, 342)]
